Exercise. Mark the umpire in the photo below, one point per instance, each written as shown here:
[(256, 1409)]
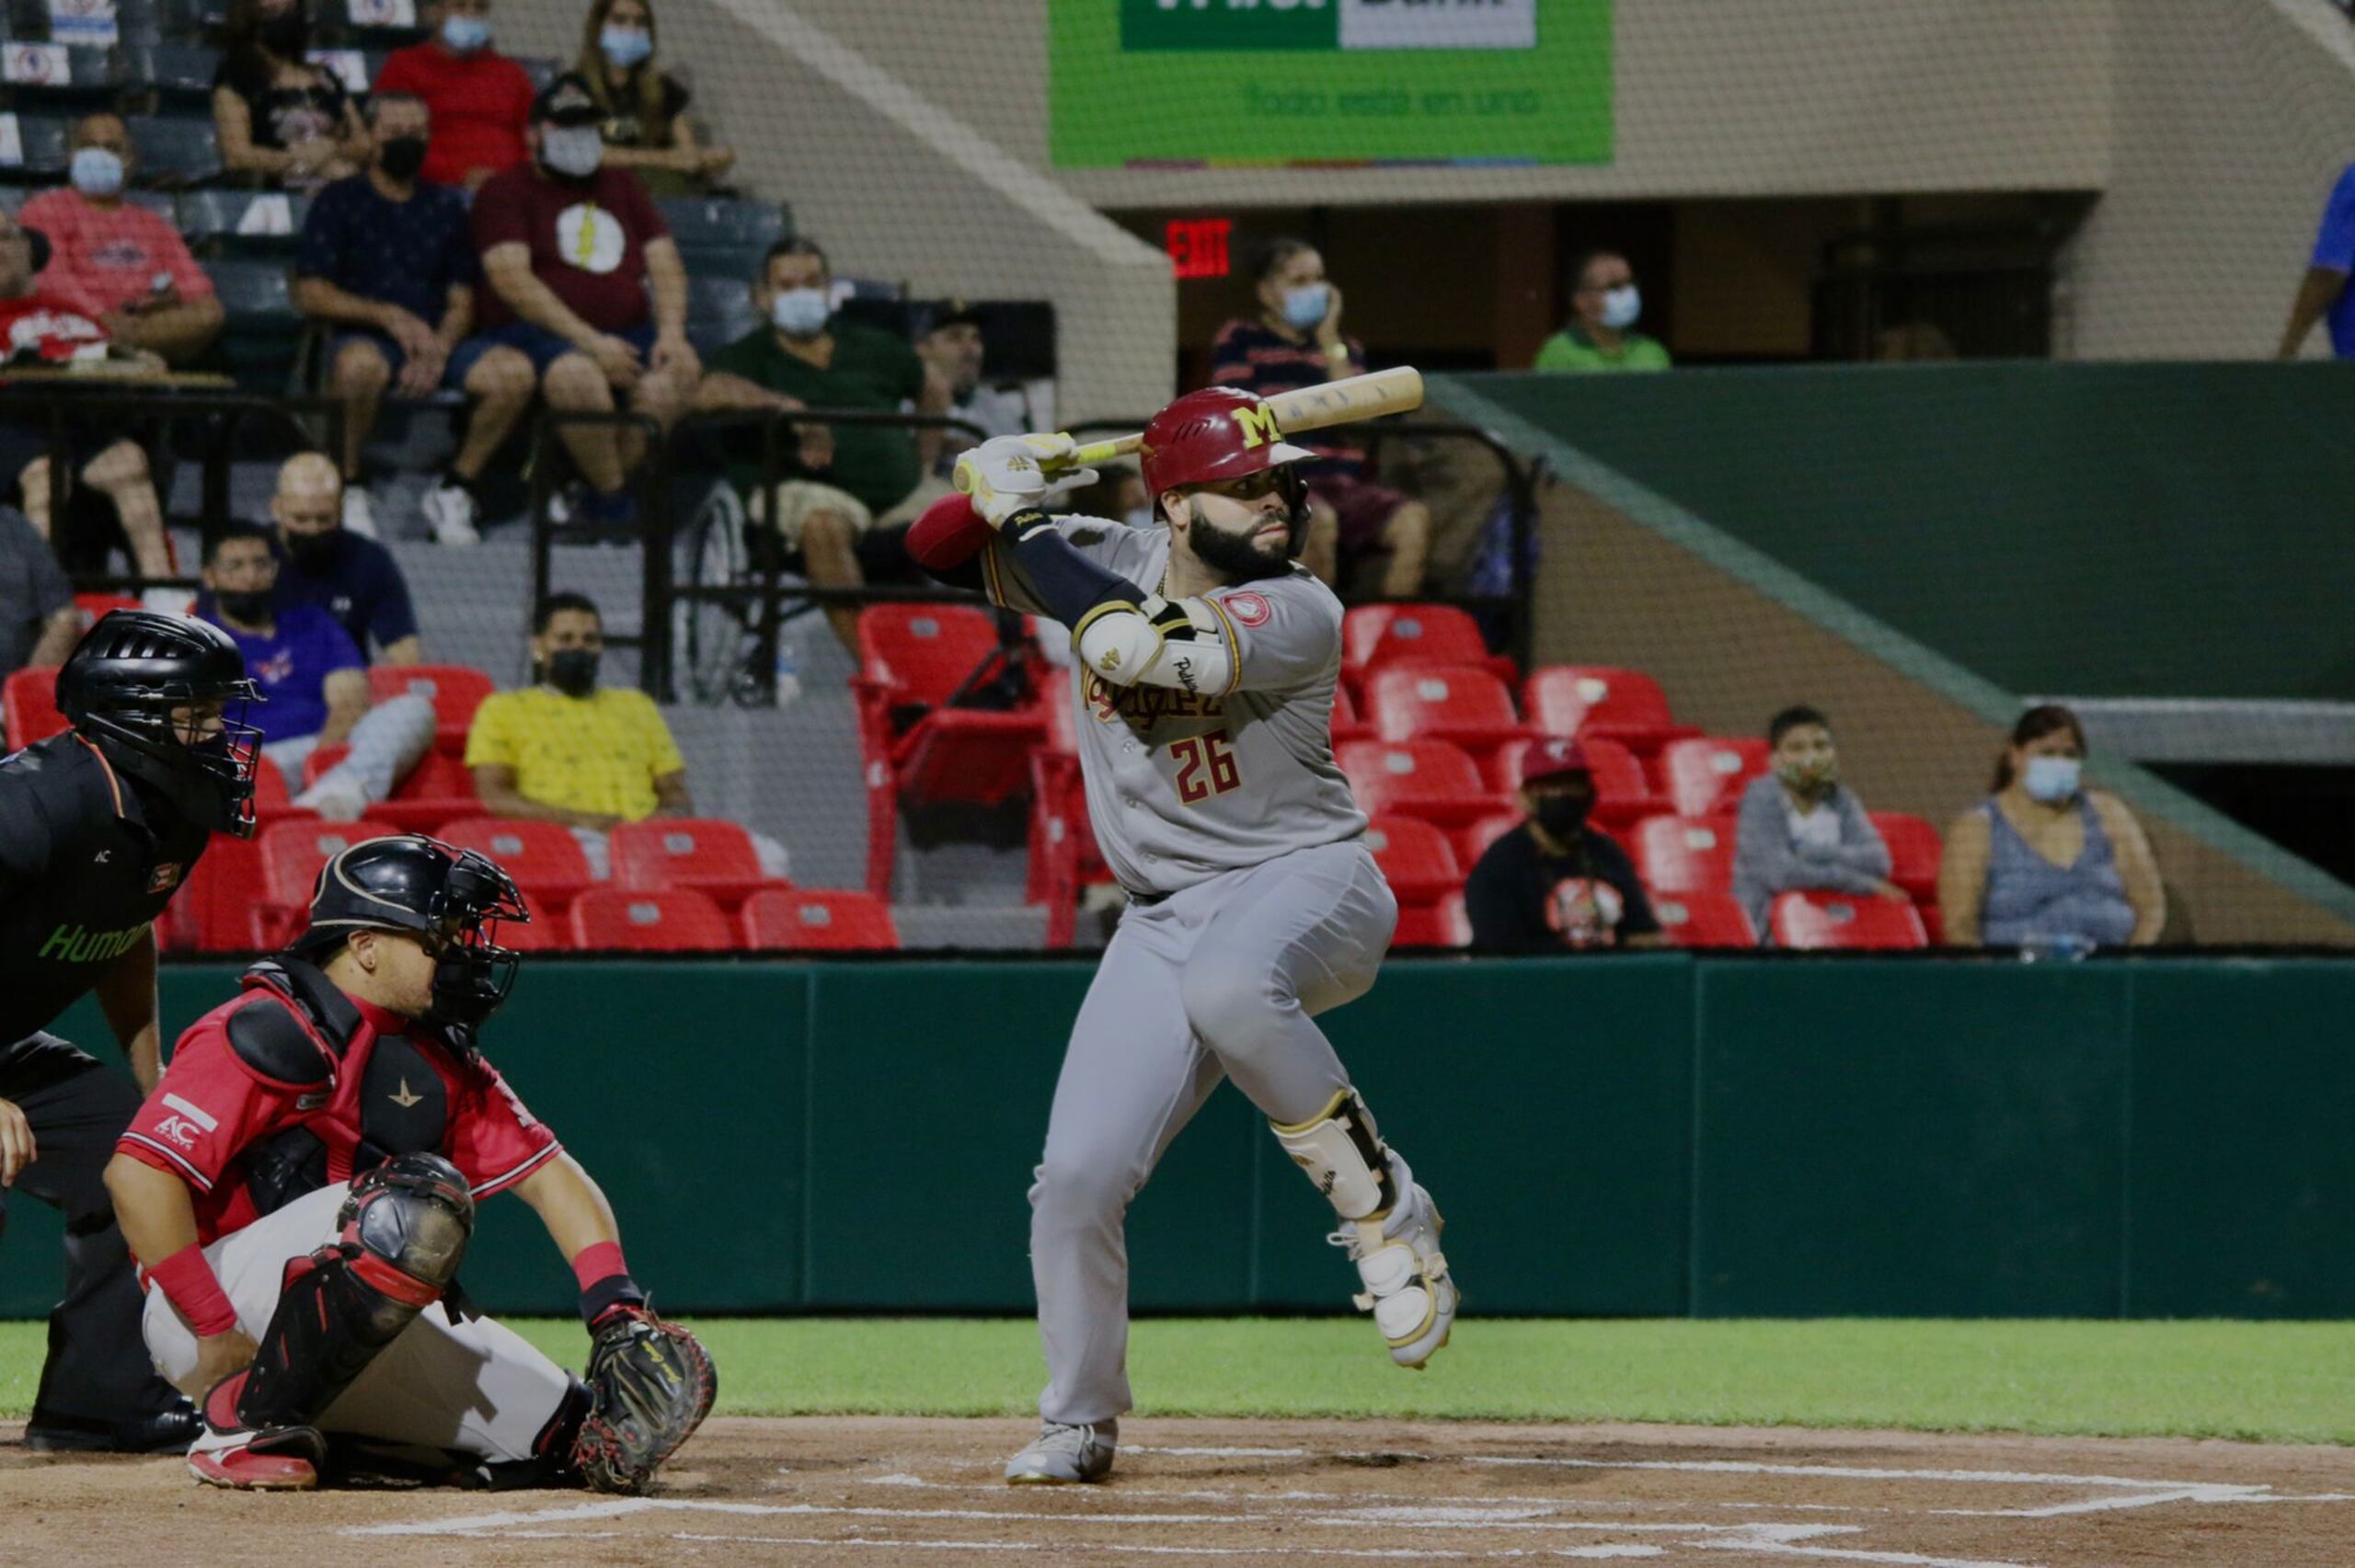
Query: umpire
[(98, 827)]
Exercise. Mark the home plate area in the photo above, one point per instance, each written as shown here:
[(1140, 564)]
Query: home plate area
[(874, 1490)]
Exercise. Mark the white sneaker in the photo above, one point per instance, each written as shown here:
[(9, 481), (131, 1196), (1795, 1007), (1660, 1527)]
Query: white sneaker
[(451, 516), (1066, 1455), (1407, 1284), (358, 510)]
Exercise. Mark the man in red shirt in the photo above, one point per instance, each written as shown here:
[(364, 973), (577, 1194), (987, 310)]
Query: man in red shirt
[(301, 1187), (38, 328), (479, 100), (583, 277), (116, 260)]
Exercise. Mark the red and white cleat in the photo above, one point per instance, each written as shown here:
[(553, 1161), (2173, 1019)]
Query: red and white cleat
[(287, 1458)]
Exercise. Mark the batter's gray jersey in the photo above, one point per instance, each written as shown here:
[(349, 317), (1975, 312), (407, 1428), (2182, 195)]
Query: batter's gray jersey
[(1183, 786)]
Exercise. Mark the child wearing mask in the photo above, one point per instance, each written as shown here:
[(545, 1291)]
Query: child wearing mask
[(1800, 827), (2045, 862), (1553, 883)]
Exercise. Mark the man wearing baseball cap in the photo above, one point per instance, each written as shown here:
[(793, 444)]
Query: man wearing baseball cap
[(1554, 882), (583, 277)]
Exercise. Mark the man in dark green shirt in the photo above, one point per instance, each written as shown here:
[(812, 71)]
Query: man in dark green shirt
[(847, 480)]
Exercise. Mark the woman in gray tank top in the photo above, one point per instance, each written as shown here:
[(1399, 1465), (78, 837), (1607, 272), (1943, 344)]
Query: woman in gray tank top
[(2043, 860)]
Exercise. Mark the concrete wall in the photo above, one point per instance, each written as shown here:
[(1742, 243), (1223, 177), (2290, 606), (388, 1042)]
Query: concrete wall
[(2232, 118)]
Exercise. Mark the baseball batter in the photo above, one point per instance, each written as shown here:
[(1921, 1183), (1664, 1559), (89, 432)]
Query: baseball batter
[(301, 1189), (1206, 663)]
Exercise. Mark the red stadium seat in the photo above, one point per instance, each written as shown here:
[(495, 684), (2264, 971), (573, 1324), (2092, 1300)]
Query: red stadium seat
[(1415, 858), (1596, 702), (913, 659), (817, 919), (28, 706), (437, 790), (1679, 854), (1376, 635), (544, 858), (712, 856), (651, 919), (1456, 703), (455, 690), (1430, 779), (548, 930), (89, 607), (291, 853), (1704, 919), (1706, 775), (1473, 842), (1804, 920), (1622, 793), (1063, 857), (1443, 924), (1914, 852), (1347, 725)]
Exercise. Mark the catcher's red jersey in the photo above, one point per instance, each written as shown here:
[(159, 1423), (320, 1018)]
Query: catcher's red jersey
[(218, 1124)]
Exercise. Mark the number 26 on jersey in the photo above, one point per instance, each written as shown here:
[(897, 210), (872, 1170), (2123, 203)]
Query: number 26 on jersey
[(1205, 767)]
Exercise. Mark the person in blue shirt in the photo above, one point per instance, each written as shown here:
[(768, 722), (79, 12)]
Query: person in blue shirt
[(323, 564), (387, 262), (313, 683), (2324, 294)]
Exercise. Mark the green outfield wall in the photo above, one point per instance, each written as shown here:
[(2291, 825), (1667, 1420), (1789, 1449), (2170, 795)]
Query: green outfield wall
[(1648, 1135), (2099, 530)]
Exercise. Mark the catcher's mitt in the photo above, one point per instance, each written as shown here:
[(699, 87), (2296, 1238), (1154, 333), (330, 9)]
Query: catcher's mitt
[(650, 1384)]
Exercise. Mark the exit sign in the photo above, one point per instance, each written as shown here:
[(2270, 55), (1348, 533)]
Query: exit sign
[(1196, 247)]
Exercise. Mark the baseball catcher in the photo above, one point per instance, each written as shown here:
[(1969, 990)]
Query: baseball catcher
[(301, 1187)]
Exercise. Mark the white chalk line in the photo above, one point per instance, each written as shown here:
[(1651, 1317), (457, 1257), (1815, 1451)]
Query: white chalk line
[(1140, 1549), (901, 1481)]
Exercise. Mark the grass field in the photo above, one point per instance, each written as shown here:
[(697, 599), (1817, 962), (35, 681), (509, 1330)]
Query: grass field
[(2280, 1382)]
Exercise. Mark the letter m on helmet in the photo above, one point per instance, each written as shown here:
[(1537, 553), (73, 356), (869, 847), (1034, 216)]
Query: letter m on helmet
[(1257, 424)]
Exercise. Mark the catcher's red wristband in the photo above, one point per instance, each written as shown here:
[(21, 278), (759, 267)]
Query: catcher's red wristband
[(596, 1262), (189, 1283)]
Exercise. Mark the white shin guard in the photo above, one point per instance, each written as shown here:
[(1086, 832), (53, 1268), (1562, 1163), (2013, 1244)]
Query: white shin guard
[(1344, 1157)]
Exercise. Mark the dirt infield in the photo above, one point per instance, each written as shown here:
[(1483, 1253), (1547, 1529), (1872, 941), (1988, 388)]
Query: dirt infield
[(882, 1491)]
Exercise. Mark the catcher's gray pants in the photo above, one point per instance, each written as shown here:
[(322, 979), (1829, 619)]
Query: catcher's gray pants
[(473, 1386), (1219, 980)]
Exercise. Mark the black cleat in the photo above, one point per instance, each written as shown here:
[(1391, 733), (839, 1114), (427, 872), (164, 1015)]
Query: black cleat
[(166, 1432)]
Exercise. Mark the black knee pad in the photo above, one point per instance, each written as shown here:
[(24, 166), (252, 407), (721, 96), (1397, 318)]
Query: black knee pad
[(399, 1239)]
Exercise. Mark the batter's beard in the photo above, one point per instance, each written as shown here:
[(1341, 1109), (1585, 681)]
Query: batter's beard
[(1237, 556)]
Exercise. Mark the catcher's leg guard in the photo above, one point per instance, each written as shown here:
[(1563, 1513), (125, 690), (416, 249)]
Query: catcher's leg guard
[(401, 1235), (1391, 1227)]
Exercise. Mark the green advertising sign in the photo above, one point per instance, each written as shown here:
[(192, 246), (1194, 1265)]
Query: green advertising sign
[(1277, 82)]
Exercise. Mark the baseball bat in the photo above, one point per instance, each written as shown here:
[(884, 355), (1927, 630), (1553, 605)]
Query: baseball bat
[(1343, 402)]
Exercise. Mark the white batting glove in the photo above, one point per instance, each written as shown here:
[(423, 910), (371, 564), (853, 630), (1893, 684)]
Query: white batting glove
[(1009, 474)]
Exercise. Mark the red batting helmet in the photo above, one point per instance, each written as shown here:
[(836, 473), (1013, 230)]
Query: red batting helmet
[(1220, 433)]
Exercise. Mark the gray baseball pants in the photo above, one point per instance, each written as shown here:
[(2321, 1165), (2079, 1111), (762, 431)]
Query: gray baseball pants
[(1221, 979)]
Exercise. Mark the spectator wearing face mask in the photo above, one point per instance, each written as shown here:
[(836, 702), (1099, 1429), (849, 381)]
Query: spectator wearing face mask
[(325, 564), (387, 260), (1802, 827), (1553, 883), (279, 116), (1296, 341), (115, 260), (1601, 335), (645, 122), (313, 680), (2044, 861), (585, 282), (568, 749), (853, 480), (479, 100)]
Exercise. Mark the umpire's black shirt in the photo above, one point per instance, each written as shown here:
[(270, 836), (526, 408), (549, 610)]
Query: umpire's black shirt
[(87, 864)]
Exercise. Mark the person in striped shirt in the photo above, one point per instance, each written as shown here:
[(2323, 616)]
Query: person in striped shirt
[(1296, 341)]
